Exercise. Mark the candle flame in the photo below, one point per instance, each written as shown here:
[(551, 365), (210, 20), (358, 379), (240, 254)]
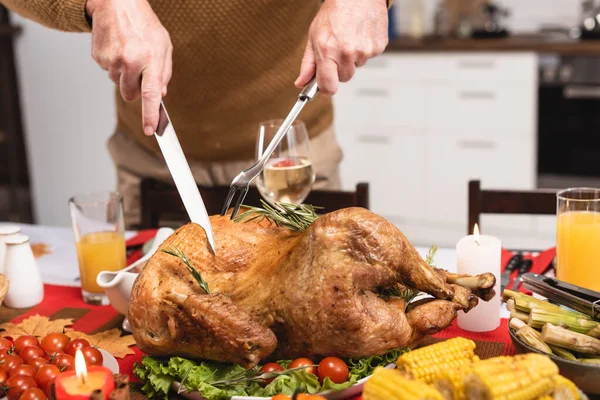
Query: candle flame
[(80, 367), (476, 233)]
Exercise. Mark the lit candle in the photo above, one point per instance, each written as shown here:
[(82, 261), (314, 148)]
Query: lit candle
[(79, 384), (475, 255)]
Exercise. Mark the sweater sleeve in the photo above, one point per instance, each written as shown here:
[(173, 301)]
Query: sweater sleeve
[(65, 15)]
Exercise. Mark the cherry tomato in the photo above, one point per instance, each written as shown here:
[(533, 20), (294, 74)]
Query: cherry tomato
[(3, 378), (270, 367), (5, 344), (31, 352), (33, 394), (55, 342), (64, 362), (280, 397), (37, 362), (304, 362), (75, 344), (45, 376), (25, 341), (304, 396), (92, 356), (11, 362), (334, 368), (17, 385), (23, 369)]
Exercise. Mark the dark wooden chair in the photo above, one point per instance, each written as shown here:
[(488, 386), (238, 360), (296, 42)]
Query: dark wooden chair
[(160, 202), (536, 202)]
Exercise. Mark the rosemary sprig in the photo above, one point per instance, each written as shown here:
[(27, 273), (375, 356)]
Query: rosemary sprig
[(431, 255), (296, 217), (174, 251)]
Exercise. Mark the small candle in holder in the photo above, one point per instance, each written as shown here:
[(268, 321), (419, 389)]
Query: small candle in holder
[(81, 383), (477, 254)]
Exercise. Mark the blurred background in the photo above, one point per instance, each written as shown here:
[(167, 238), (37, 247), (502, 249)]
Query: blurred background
[(504, 91)]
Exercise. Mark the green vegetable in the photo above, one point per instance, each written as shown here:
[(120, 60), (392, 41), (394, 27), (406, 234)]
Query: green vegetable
[(363, 367), (218, 381)]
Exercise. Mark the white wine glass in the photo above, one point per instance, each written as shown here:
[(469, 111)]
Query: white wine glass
[(288, 175)]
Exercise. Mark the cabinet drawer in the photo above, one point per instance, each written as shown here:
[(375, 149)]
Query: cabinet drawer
[(393, 66), (508, 164), (514, 67), (381, 103), (482, 110), (394, 166)]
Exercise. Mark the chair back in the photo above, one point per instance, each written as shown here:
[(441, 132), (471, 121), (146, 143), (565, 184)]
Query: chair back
[(535, 202), (162, 206)]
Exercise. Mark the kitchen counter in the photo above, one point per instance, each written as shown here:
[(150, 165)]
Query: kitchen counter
[(534, 43)]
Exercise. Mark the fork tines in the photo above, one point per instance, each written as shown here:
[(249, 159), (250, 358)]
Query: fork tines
[(230, 196)]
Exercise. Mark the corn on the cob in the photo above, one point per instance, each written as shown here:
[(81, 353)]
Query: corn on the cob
[(564, 389), (522, 377), (428, 363), (390, 384), (451, 385)]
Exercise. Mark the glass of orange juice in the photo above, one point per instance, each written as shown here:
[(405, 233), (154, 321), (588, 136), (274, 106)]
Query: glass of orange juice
[(578, 237), (99, 229)]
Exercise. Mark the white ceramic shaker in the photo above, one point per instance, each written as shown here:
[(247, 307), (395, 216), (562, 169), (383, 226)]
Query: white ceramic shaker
[(26, 288), (6, 231)]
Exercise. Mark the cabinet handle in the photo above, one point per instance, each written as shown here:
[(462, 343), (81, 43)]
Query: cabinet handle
[(476, 95), (2, 136), (373, 92), (476, 64), (376, 139), (477, 144)]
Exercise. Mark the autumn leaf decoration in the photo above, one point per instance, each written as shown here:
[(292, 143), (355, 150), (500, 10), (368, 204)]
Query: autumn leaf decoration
[(110, 340), (35, 325), (39, 326)]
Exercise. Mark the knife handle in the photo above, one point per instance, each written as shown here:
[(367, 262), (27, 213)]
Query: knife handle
[(514, 262), (310, 90), (525, 266)]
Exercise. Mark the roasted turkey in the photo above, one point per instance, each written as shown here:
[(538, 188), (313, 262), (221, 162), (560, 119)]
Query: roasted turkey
[(276, 293)]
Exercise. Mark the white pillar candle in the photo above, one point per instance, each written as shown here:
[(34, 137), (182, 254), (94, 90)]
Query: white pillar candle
[(477, 254)]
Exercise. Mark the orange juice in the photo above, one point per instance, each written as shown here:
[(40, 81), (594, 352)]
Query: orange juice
[(97, 252), (578, 248)]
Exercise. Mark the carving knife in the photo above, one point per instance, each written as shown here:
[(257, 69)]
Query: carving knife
[(182, 175), (513, 264)]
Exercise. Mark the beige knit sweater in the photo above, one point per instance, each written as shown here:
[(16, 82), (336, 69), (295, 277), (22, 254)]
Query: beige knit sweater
[(234, 64)]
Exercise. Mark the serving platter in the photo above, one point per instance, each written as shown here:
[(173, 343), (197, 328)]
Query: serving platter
[(585, 376), (353, 390)]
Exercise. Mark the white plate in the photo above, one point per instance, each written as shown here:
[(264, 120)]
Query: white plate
[(329, 395), (109, 361)]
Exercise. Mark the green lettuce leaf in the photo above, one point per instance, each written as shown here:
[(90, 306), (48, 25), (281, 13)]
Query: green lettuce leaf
[(363, 367), (207, 377)]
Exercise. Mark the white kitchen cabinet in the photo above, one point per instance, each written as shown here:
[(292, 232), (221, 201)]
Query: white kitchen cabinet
[(395, 168), (418, 127)]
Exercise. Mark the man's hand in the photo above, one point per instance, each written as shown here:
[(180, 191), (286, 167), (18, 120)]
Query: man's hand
[(343, 36), (131, 44)]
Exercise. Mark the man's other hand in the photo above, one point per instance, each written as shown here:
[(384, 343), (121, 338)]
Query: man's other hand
[(343, 36), (130, 43)]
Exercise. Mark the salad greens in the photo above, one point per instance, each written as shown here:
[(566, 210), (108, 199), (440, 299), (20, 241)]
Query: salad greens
[(219, 381)]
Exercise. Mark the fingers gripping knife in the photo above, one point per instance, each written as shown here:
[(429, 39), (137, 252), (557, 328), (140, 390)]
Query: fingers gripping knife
[(242, 182), (182, 175)]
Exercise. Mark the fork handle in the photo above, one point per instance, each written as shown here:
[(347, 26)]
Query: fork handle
[(310, 90)]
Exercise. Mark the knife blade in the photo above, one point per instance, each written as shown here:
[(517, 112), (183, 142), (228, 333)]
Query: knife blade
[(182, 174), (523, 269), (513, 264)]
